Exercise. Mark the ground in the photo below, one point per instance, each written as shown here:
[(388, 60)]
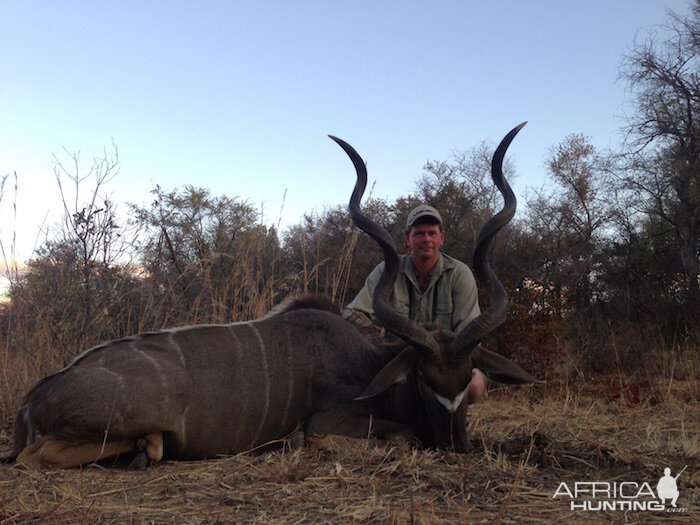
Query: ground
[(526, 443)]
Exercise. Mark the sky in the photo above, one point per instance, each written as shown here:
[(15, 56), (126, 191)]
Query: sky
[(239, 97)]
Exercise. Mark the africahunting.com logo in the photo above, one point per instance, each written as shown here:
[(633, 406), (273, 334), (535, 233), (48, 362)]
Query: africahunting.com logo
[(623, 495)]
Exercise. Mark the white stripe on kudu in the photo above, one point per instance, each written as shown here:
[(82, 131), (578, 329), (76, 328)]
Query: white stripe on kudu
[(266, 375), (290, 379), (173, 342), (240, 381)]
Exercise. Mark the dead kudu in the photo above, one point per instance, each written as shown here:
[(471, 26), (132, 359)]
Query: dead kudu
[(202, 391)]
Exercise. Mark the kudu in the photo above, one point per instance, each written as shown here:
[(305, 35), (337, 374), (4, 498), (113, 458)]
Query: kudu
[(202, 391)]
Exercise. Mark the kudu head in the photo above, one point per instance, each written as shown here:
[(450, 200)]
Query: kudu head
[(439, 361)]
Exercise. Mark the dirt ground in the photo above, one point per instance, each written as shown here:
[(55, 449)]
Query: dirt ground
[(526, 443)]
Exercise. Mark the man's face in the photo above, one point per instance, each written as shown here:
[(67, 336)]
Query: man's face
[(424, 241)]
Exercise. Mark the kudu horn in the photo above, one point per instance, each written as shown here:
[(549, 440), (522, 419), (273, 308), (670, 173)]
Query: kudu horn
[(403, 327), (495, 314)]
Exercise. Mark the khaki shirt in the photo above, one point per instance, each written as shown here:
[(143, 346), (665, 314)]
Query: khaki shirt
[(451, 298)]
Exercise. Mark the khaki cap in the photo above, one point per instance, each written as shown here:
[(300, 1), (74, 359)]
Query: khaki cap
[(419, 212)]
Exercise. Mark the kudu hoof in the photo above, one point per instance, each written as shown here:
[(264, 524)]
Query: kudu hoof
[(140, 461)]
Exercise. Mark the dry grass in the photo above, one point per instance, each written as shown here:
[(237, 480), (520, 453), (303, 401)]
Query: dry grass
[(525, 441)]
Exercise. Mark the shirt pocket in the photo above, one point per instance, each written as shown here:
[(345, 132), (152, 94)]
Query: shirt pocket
[(443, 313)]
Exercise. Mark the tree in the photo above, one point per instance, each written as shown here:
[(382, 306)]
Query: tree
[(662, 150), (570, 221), (90, 239), (79, 278), (206, 258)]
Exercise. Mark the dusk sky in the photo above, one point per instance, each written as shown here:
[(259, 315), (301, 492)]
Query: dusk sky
[(239, 97)]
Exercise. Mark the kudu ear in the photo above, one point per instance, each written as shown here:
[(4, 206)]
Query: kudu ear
[(394, 372), (498, 368)]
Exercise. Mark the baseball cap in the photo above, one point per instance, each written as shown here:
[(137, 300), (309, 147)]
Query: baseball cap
[(420, 212)]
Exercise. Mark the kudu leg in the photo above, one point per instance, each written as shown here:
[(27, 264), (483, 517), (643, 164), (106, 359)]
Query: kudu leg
[(49, 453), (55, 453)]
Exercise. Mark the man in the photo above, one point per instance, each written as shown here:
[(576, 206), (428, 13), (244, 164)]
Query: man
[(431, 287)]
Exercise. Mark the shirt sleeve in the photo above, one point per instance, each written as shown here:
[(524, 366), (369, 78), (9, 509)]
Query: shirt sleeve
[(360, 310), (465, 297)]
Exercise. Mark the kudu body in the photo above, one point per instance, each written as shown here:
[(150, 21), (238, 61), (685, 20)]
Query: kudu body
[(201, 391)]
